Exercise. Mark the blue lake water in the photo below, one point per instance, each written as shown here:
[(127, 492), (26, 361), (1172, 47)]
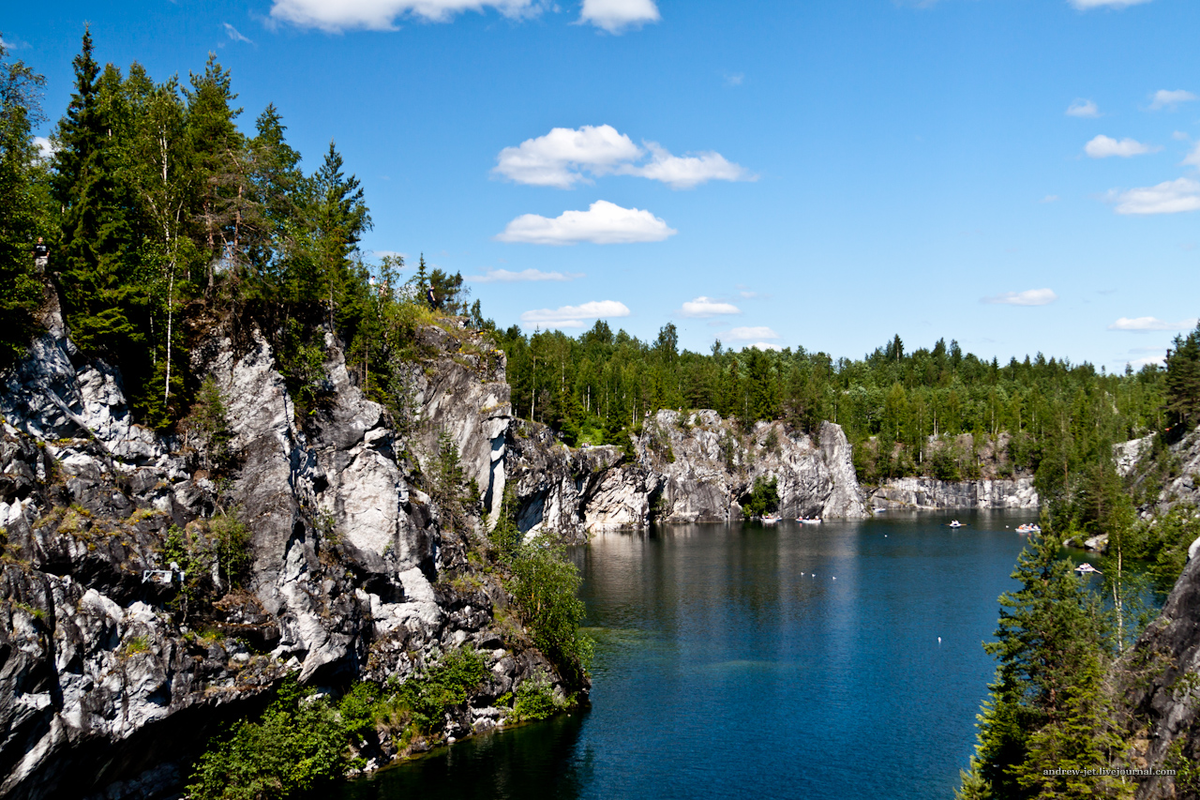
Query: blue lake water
[(741, 661)]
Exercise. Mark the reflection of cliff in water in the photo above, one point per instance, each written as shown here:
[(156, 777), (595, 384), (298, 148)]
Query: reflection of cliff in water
[(538, 760)]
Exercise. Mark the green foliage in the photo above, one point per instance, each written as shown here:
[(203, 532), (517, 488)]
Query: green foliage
[(297, 746), (762, 499), (23, 203), (210, 426), (443, 686), (506, 535), (535, 700), (1047, 704), (1182, 382), (545, 587)]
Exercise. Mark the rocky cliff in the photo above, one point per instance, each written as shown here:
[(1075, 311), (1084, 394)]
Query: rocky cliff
[(115, 666), (930, 493), (683, 467)]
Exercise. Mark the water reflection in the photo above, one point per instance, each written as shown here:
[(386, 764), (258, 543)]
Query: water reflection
[(731, 663)]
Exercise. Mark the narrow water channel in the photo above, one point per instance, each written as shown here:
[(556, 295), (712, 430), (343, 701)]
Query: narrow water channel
[(741, 661)]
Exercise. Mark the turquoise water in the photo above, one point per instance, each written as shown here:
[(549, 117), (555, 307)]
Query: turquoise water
[(768, 662)]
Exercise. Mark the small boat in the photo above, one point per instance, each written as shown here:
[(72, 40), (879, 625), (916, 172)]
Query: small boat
[(769, 519), (1032, 528), (956, 524), (807, 521), (1087, 569)]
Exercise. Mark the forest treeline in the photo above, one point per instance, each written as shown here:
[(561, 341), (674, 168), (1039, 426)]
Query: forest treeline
[(162, 216)]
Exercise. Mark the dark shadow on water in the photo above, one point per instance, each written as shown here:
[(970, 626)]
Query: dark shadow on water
[(536, 760)]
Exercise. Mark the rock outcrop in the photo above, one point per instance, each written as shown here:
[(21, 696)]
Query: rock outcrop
[(930, 493), (684, 467), (1159, 681), (108, 677)]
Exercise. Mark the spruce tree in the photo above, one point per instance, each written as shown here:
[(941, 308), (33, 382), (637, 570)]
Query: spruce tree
[(23, 206)]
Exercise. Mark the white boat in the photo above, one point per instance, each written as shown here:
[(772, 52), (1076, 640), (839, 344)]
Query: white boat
[(1032, 528), (769, 519), (807, 521), (956, 524), (1087, 569)]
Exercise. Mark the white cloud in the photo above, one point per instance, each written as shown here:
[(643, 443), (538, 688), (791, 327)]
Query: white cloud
[(1168, 98), (1193, 158), (1143, 324), (1168, 197), (380, 15), (505, 276), (45, 147), (704, 307), (602, 223), (765, 346), (735, 79), (689, 171), (1050, 198), (558, 158), (574, 316), (756, 332), (1030, 297), (1138, 363), (1083, 108), (615, 16), (1104, 147), (1084, 5), (1180, 136), (234, 34), (563, 156)]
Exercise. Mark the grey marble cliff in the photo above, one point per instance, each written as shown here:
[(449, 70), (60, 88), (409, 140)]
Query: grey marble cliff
[(103, 688)]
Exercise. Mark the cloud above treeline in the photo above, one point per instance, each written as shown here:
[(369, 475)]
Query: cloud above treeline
[(602, 223), (1106, 147), (613, 16), (1145, 324), (565, 157), (1029, 297), (524, 276), (705, 307), (575, 316), (1168, 197), (234, 34)]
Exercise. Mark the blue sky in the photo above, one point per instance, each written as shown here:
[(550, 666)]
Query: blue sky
[(1018, 175)]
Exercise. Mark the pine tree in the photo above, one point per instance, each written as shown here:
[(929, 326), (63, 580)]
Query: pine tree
[(1047, 708), (1183, 380), (23, 206)]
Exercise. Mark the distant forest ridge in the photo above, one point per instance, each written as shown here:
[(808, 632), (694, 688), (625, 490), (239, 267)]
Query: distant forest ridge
[(162, 219)]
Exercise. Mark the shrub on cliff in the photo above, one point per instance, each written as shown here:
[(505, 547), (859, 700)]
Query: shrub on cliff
[(545, 585)]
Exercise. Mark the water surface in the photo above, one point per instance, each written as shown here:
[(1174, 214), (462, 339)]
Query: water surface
[(770, 662)]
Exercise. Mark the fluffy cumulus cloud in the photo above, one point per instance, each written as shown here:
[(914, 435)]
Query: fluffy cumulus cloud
[(562, 156), (339, 15), (1083, 108), (1030, 297), (565, 157), (1105, 147), (1143, 324), (705, 307), (617, 16), (1084, 5), (1168, 197), (1170, 98), (686, 172), (575, 316), (524, 276), (602, 223), (749, 334)]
